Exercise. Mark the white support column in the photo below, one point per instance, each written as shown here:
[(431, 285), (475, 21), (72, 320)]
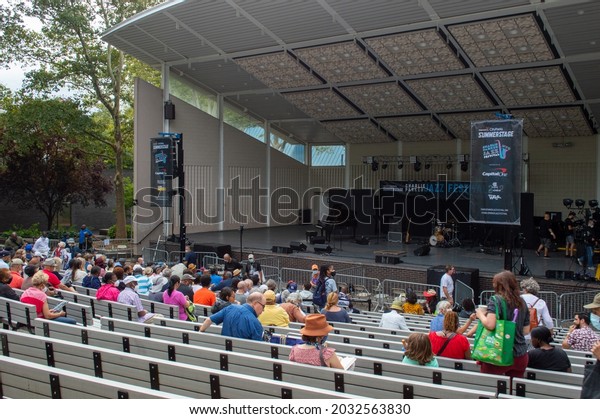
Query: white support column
[(268, 170), (347, 169), (221, 165)]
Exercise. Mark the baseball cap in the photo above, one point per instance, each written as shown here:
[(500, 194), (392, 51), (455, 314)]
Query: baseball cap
[(129, 279)]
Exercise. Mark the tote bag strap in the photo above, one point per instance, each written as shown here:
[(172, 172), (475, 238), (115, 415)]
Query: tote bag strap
[(504, 308)]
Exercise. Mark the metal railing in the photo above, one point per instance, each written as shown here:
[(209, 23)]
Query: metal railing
[(572, 303), (462, 291), (550, 297), (393, 288), (153, 255)]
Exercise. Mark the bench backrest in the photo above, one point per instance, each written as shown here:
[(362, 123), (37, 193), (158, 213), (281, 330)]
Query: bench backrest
[(14, 313), (177, 378), (27, 380)]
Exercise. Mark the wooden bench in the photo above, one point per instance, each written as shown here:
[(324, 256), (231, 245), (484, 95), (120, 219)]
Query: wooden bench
[(27, 380), (85, 290), (535, 389), (182, 379), (387, 384), (15, 314), (167, 310), (103, 308)]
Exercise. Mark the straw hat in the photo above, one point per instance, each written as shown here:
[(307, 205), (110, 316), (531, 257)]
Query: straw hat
[(316, 325), (397, 304)]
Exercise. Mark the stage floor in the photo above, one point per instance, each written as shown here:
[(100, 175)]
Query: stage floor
[(490, 261)]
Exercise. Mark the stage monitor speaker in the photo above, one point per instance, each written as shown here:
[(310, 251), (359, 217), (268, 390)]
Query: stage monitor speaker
[(552, 274), (363, 241), (169, 110), (423, 250), (322, 248), (468, 276), (298, 246), (281, 249), (318, 240)]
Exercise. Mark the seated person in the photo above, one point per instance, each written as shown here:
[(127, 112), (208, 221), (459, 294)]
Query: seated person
[(411, 306), (273, 315), (545, 356), (437, 323), (393, 319), (417, 351), (468, 308), (204, 296), (313, 351), (333, 312), (448, 342)]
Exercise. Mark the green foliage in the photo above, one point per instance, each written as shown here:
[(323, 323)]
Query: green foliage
[(128, 187), (33, 231), (112, 232)]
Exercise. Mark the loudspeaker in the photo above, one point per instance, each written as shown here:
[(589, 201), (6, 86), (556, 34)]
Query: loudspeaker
[(281, 249), (550, 274), (507, 259), (298, 246), (322, 248), (169, 110), (218, 248), (317, 240), (423, 250)]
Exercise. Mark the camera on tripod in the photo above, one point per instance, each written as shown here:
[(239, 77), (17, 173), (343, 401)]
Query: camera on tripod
[(521, 239)]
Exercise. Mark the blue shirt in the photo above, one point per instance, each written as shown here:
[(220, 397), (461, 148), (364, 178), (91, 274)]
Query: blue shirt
[(437, 323), (239, 322), (91, 282), (144, 285), (215, 279), (82, 234)]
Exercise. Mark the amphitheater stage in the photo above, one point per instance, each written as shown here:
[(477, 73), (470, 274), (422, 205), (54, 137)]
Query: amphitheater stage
[(347, 250)]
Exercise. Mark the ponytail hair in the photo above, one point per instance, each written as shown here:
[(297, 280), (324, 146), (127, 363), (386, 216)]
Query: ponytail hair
[(174, 280)]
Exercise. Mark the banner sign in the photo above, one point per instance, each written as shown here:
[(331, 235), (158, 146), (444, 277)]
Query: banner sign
[(162, 171), (496, 171), (418, 187)]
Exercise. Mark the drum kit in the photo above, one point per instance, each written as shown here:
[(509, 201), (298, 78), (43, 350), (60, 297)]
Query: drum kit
[(444, 234)]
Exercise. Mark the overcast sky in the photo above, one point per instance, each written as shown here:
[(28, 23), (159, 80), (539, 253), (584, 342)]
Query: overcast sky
[(13, 77)]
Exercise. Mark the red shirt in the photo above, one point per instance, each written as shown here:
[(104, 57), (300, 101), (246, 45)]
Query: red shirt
[(455, 349), (17, 280), (52, 279)]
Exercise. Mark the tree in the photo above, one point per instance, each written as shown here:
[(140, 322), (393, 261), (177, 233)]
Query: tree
[(70, 53), (46, 162)]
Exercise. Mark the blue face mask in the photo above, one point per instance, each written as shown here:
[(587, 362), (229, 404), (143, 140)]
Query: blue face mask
[(595, 320)]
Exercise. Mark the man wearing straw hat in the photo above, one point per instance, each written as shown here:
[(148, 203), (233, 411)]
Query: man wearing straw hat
[(393, 319)]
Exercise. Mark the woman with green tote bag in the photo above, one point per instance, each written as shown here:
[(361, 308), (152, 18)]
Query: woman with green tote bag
[(509, 306)]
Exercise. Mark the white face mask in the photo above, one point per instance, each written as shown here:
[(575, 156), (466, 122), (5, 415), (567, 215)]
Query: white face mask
[(595, 320)]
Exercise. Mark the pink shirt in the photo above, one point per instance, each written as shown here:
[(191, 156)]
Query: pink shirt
[(107, 292), (309, 356), (36, 297), (177, 299)]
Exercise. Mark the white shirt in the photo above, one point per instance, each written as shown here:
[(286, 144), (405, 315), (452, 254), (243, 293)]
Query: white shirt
[(544, 318), (393, 320), (448, 283), (42, 245)]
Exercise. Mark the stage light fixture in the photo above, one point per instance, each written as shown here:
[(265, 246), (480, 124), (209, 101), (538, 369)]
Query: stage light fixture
[(400, 165), (464, 166), (580, 203), (384, 166), (593, 203), (567, 202), (375, 166), (417, 166), (449, 165)]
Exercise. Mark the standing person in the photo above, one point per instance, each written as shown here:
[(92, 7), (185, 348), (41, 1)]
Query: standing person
[(253, 267), (330, 284), (313, 351), (589, 241), (231, 264), (570, 235), (531, 289), (506, 288), (240, 321), (84, 233), (393, 319), (545, 356), (447, 285), (580, 336), (546, 235), (176, 298)]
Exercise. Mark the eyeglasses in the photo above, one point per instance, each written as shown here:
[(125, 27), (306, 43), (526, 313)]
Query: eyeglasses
[(261, 304)]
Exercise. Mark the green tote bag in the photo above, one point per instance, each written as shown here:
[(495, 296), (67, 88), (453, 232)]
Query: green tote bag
[(496, 346)]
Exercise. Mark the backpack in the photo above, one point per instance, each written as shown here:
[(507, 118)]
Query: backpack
[(319, 294), (533, 316)]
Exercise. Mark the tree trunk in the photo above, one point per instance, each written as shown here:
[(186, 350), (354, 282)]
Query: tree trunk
[(121, 221)]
